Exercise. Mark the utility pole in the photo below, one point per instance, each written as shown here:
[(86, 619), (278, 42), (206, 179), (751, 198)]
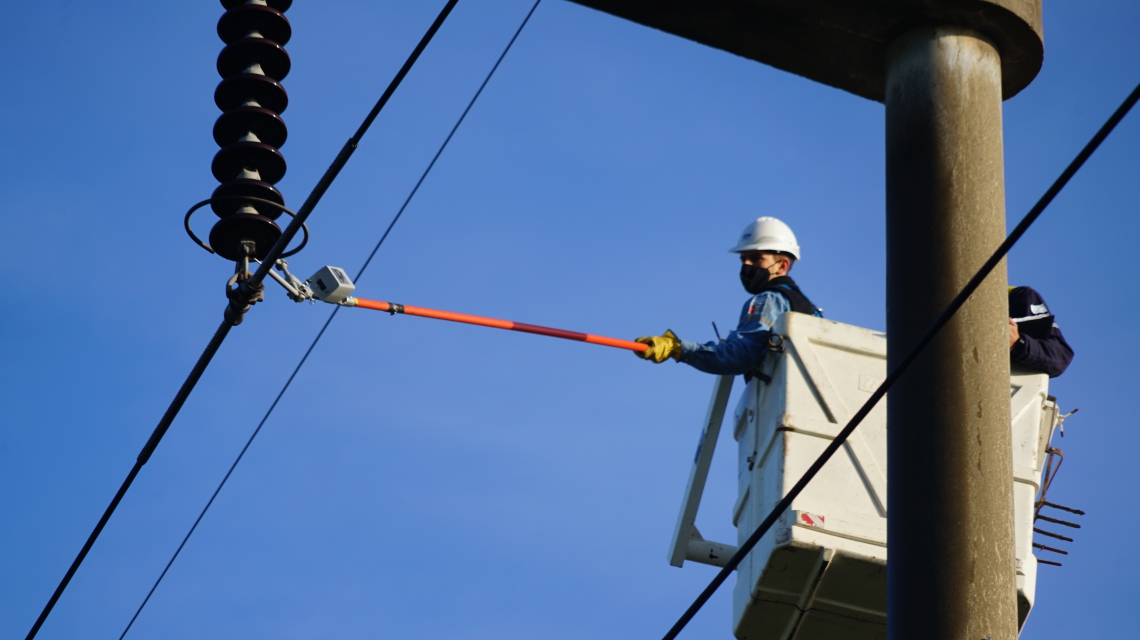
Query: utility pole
[(950, 545), (942, 68)]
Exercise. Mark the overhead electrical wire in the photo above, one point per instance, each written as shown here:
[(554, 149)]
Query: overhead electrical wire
[(248, 288), (328, 321), (944, 318)]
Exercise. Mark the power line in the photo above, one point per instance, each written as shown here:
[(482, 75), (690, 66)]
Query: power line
[(234, 311), (945, 317), (332, 315)]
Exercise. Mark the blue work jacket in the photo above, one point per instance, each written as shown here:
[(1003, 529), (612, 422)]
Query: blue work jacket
[(744, 348)]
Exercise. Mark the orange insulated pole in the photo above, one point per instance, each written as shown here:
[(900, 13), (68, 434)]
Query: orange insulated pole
[(394, 308)]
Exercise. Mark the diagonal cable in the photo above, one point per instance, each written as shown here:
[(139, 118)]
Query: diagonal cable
[(233, 315), (939, 323), (332, 315)]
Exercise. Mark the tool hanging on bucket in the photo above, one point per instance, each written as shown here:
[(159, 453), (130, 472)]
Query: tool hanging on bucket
[(332, 285)]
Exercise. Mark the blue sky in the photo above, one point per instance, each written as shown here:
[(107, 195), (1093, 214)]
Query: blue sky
[(432, 480)]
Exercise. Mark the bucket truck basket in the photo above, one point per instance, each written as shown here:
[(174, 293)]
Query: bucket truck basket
[(820, 573)]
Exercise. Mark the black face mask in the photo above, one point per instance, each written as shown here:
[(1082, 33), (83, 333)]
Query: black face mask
[(754, 278)]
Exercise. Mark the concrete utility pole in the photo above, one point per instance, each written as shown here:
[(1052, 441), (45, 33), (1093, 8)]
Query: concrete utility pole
[(942, 67), (950, 546)]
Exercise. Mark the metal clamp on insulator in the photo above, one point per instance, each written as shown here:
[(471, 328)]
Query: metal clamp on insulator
[(246, 293), (241, 298)]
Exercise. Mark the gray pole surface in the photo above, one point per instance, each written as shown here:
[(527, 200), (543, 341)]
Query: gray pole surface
[(951, 568)]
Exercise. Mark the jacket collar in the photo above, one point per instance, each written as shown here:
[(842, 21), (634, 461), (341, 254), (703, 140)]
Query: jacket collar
[(786, 281)]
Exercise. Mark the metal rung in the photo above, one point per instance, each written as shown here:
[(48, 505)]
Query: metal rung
[(1057, 506), (1052, 535), (1056, 521)]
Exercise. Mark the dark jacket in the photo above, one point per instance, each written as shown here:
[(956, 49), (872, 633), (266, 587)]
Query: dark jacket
[(1041, 345)]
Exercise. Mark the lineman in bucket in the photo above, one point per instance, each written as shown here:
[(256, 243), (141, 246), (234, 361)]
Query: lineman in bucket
[(767, 249)]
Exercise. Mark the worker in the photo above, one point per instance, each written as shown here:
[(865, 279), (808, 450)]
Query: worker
[(1035, 340), (767, 250)]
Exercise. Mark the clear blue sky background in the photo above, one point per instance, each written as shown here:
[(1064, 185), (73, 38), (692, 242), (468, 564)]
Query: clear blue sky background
[(430, 480)]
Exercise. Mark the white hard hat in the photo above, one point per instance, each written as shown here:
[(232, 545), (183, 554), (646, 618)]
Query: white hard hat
[(768, 234)]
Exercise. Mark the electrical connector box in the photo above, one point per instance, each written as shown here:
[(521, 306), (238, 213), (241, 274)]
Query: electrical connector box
[(331, 284)]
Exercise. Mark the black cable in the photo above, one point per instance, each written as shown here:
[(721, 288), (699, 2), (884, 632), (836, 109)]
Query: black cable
[(332, 315), (231, 470), (233, 313), (910, 357)]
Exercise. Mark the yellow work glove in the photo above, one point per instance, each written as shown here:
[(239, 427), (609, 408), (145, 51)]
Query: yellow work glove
[(660, 347)]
